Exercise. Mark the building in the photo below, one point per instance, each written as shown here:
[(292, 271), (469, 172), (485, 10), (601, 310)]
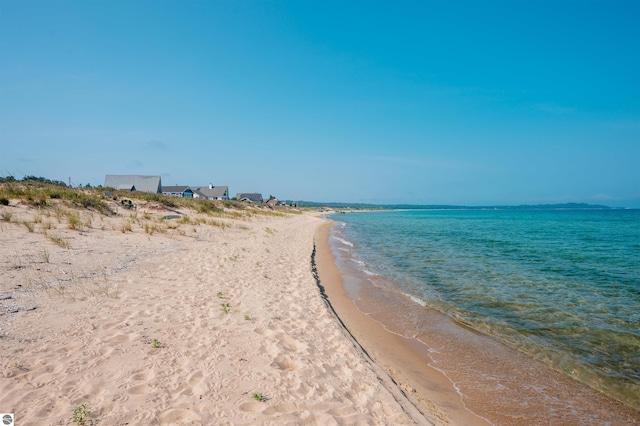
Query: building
[(151, 184), (211, 192), (252, 197), (177, 191)]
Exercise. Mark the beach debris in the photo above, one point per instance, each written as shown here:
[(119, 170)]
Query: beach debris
[(127, 204)]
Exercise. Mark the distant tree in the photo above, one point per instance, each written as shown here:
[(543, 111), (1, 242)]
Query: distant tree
[(43, 180), (7, 179)]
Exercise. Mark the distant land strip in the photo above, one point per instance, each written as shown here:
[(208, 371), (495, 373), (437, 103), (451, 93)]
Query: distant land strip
[(365, 206)]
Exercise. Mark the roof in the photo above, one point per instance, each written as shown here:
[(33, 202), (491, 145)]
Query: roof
[(134, 183), (254, 197), (175, 188), (215, 192)]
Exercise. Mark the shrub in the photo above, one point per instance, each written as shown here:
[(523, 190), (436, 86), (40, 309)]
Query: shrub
[(80, 414)]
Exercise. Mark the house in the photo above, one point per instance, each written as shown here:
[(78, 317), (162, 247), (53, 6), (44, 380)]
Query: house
[(272, 202), (177, 191), (151, 184), (252, 197), (211, 192)]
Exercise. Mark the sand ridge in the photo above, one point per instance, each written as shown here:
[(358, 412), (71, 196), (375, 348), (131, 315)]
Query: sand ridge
[(181, 327)]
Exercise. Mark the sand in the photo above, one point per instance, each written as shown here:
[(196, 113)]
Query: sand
[(428, 390), (174, 322)]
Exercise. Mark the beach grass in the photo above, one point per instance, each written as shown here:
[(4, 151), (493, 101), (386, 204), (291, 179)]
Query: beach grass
[(46, 194)]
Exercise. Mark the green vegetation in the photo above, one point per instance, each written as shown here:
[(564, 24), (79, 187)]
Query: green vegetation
[(156, 343), (55, 196), (74, 220), (80, 414), (258, 396), (226, 307), (6, 216), (126, 226), (59, 241), (39, 192)]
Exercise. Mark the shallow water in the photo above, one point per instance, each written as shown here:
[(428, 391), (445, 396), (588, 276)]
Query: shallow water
[(562, 286)]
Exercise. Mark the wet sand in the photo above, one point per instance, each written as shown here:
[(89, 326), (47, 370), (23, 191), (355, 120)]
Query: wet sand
[(468, 377)]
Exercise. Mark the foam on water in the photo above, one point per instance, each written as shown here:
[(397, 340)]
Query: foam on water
[(343, 241), (561, 286)]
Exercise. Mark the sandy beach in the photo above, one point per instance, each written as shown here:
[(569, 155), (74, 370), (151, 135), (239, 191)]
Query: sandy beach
[(136, 319), (159, 315)]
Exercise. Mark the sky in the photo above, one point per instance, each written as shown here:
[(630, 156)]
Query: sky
[(391, 102)]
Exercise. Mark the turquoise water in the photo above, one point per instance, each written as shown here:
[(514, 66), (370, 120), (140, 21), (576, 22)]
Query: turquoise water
[(560, 285)]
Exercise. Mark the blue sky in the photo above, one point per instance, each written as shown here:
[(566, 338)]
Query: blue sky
[(425, 102)]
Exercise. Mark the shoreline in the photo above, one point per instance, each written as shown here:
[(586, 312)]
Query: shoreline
[(426, 388), (201, 320), (474, 367)]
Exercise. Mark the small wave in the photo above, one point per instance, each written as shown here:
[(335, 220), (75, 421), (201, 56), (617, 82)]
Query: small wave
[(343, 241), (416, 299), (368, 272)]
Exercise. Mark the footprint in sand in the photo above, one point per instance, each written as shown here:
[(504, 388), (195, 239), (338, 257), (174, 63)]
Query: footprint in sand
[(179, 415), (139, 390), (141, 375), (291, 344), (251, 407), (269, 350), (196, 383), (284, 363), (284, 408), (118, 338), (264, 332)]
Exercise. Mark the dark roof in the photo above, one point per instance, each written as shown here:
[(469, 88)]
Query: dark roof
[(215, 192), (134, 183), (176, 188), (254, 197)]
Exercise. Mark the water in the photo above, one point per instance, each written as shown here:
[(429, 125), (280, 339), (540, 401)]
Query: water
[(562, 286)]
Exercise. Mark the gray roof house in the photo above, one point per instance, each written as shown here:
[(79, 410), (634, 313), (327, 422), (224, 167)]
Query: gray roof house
[(177, 191), (211, 192), (134, 183), (253, 197)]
